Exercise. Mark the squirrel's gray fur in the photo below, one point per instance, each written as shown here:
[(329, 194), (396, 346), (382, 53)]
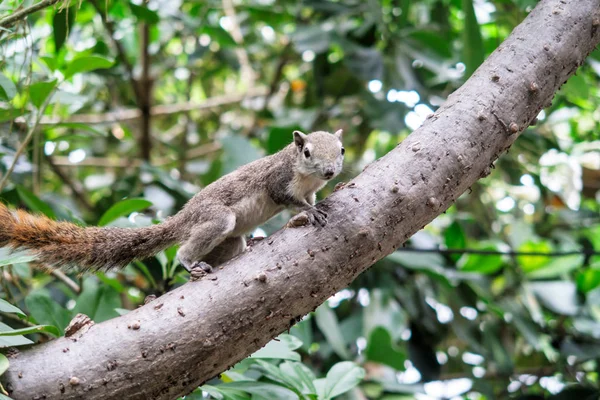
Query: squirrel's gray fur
[(210, 227)]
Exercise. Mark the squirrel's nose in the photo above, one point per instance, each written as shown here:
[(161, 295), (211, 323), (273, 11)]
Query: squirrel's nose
[(328, 173)]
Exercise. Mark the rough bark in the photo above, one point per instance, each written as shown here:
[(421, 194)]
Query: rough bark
[(173, 344)]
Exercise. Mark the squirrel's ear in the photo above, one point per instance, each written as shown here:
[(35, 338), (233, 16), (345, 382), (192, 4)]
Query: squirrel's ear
[(299, 139), (338, 134)]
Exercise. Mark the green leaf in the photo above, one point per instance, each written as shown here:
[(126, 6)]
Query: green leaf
[(279, 137), (498, 352), (39, 92), (46, 311), (271, 371), (311, 37), (588, 280), (86, 64), (341, 378), (576, 89), (62, 21), (6, 307), (557, 267), (531, 263), (51, 62), (281, 348), (34, 203), (482, 263), (9, 258), (303, 331), (290, 374), (123, 208), (381, 349), (383, 311), (472, 41), (144, 14), (10, 341), (11, 113), (4, 364), (365, 63), (32, 329), (300, 375), (219, 35), (263, 390), (99, 302), (237, 151), (328, 324), (454, 237), (220, 393), (8, 90), (581, 350), (558, 296)]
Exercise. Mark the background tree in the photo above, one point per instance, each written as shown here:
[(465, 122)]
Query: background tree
[(151, 101)]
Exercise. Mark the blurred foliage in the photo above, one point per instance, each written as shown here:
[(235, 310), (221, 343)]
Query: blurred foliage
[(486, 324)]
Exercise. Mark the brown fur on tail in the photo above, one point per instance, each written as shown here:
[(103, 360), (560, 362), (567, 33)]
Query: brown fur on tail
[(63, 244)]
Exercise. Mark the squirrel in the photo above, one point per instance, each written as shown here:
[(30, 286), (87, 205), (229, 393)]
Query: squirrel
[(210, 228)]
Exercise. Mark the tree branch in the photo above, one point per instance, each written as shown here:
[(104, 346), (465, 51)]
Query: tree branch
[(131, 114), (171, 345), (19, 15)]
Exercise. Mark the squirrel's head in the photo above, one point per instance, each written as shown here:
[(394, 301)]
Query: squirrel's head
[(319, 153)]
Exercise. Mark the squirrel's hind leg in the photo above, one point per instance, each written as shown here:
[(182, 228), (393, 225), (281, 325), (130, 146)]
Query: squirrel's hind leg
[(225, 251), (204, 237)]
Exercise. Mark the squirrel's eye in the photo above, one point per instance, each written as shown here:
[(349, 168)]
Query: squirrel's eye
[(306, 153), (343, 151)]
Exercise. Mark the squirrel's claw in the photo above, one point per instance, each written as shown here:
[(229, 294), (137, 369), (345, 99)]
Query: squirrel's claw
[(203, 266), (311, 215), (317, 216), (198, 265), (199, 270), (320, 217)]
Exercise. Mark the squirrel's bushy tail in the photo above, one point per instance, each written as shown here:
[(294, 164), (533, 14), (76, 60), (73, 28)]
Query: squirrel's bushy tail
[(63, 244)]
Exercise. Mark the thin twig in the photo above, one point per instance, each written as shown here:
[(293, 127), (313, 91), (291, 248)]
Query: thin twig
[(75, 186), (121, 53), (183, 139), (283, 60), (66, 280), (584, 252), (145, 91), (19, 15), (28, 137), (247, 73), (104, 162), (131, 114)]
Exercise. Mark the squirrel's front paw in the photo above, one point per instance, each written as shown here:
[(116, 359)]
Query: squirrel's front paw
[(316, 216), (311, 215)]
